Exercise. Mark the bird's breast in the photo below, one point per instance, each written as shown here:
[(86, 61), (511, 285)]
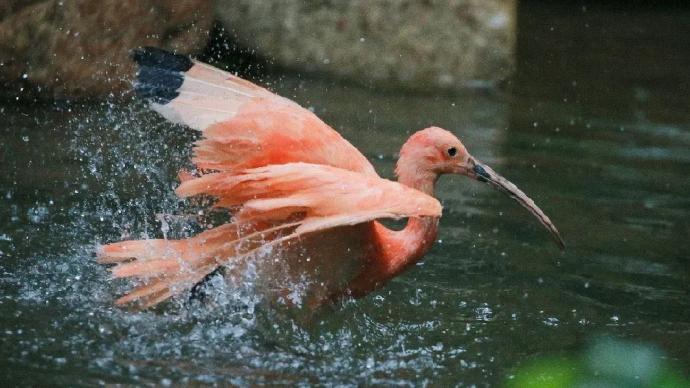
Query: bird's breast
[(311, 269)]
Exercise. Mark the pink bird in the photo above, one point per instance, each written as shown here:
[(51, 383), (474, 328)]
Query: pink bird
[(305, 203)]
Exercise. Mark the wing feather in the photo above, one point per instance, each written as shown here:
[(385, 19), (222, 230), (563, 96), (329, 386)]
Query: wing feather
[(243, 125), (327, 196)]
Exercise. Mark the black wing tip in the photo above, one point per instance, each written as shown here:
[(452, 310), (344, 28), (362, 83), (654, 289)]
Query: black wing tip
[(161, 59), (160, 73)]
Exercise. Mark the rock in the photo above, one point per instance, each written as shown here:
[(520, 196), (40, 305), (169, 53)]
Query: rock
[(80, 48), (420, 45)]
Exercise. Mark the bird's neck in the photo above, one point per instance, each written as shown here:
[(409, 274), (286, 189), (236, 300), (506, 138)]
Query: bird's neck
[(398, 249), (405, 247), (409, 175)]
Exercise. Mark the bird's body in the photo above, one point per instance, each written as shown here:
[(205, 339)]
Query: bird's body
[(305, 202)]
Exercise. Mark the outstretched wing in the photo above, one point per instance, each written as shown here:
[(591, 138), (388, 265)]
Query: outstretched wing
[(275, 203), (324, 196), (244, 125)]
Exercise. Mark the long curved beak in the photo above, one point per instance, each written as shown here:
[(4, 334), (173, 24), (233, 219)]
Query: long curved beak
[(486, 174)]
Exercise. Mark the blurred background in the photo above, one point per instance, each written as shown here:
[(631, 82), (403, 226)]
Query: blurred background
[(584, 104)]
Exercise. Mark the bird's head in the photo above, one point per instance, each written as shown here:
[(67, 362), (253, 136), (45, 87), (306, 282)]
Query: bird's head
[(434, 151)]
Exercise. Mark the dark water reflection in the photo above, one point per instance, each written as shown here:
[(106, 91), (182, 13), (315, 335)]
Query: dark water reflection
[(607, 159)]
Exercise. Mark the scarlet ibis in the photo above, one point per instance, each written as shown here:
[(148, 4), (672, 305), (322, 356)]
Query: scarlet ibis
[(305, 203)]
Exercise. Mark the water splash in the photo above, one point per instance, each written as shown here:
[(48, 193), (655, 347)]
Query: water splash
[(127, 161)]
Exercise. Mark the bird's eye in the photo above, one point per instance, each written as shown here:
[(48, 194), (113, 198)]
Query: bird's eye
[(452, 151)]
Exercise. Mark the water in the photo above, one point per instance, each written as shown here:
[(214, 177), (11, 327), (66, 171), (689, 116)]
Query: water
[(606, 158)]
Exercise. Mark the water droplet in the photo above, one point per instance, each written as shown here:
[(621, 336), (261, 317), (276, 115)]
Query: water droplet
[(370, 363), (37, 214), (483, 313)]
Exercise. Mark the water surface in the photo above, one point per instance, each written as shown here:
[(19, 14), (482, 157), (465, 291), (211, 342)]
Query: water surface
[(607, 160)]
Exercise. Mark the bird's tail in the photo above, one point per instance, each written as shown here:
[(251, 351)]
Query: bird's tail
[(170, 267)]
